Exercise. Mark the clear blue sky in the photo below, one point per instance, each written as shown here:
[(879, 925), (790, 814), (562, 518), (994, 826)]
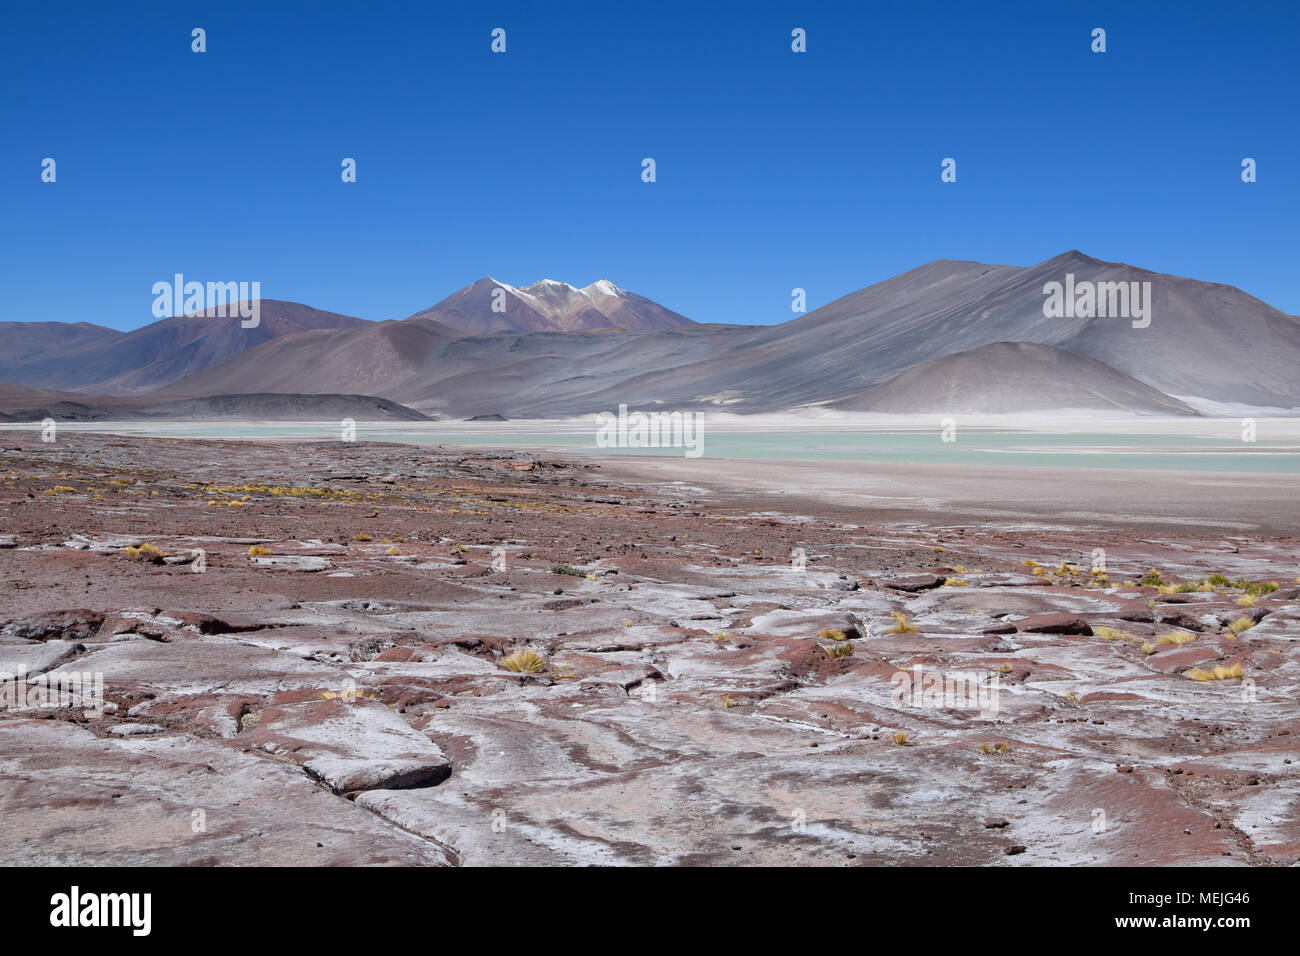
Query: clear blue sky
[(775, 169)]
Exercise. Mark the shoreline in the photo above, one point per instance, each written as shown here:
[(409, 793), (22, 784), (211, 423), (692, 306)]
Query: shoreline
[(930, 494), (937, 495)]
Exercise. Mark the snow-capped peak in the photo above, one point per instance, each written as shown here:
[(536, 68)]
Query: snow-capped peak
[(605, 286)]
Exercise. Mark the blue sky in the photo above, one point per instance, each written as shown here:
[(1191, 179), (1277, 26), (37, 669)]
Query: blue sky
[(775, 170)]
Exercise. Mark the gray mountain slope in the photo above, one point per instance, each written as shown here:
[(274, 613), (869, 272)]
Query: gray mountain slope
[(556, 374), (163, 351), (425, 364), (372, 359), (1008, 377), (1207, 340), (1204, 340), (24, 341)]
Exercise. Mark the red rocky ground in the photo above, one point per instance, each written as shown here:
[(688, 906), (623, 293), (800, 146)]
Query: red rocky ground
[(329, 688)]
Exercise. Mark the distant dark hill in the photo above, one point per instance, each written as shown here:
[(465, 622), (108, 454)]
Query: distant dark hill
[(1008, 377), (21, 404), (287, 407), (67, 411), (267, 406)]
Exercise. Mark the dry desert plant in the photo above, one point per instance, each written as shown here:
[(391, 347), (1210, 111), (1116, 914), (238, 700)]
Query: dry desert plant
[(1218, 672), (901, 624), (524, 661)]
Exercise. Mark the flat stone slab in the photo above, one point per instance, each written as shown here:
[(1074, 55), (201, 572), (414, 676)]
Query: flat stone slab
[(33, 659), (350, 743), (1054, 624), (294, 562), (176, 801)]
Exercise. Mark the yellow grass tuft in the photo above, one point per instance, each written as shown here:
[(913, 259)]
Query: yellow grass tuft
[(729, 701), (1241, 624), (831, 634), (955, 582), (524, 661), (1176, 638), (258, 550), (901, 624), (836, 651), (1218, 672), (145, 552), (900, 738)]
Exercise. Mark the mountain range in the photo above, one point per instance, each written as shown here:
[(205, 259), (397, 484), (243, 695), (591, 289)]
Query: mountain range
[(947, 336)]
